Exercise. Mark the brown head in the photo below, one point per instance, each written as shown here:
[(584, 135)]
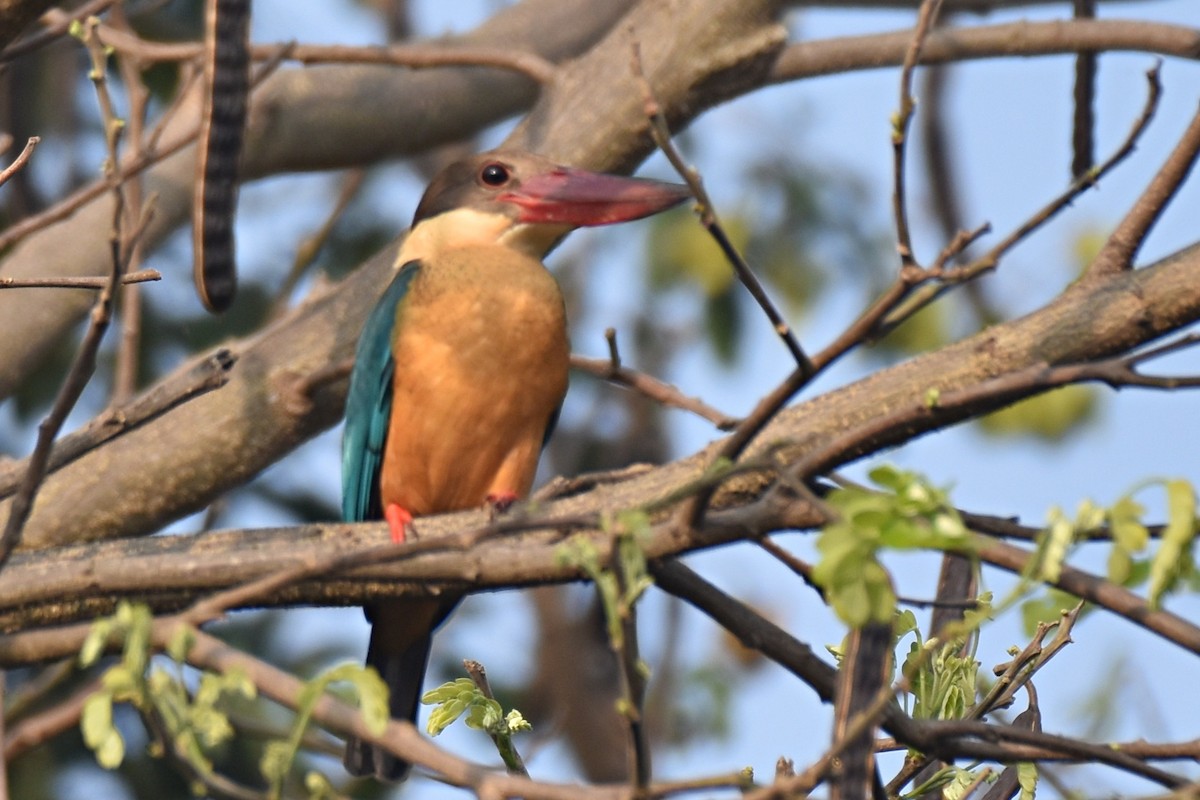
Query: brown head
[(528, 202)]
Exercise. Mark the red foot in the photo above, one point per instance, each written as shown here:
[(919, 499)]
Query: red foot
[(501, 501), (398, 519)]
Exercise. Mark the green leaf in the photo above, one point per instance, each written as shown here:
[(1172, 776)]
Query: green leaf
[(372, 694), (943, 685), (905, 623), (1120, 566), (275, 762), (448, 691), (1173, 558), (1027, 778), (136, 620), (485, 714), (451, 700), (121, 683), (182, 639), (318, 787), (99, 733), (1129, 536), (1053, 545), (237, 682), (97, 638), (958, 782), (95, 721), (909, 513)]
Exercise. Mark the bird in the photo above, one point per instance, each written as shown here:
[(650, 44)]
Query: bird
[(460, 371)]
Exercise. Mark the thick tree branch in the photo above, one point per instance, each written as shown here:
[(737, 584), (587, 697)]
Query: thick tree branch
[(1085, 322), (954, 44)]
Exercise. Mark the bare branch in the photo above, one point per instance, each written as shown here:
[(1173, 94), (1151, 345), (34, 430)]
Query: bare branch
[(513, 758), (1121, 248), (36, 730), (21, 160), (141, 276), (947, 276), (708, 217), (900, 124), (84, 364), (956, 44), (651, 387), (418, 56)]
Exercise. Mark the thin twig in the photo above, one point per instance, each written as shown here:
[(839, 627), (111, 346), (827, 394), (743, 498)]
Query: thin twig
[(652, 388), (900, 124), (1023, 38), (692, 513), (92, 282), (57, 23), (85, 194), (988, 261), (708, 215), (990, 393), (1017, 673), (614, 352), (37, 688), (1011, 677), (508, 750), (21, 160), (1100, 592), (1122, 247), (125, 373), (1084, 182), (413, 56), (85, 360), (32, 732), (946, 739), (632, 679), (867, 325)]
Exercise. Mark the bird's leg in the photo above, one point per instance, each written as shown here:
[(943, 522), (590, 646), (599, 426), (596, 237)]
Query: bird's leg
[(499, 502), (398, 520)]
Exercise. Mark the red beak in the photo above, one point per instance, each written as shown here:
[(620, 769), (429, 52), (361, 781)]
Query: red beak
[(567, 196)]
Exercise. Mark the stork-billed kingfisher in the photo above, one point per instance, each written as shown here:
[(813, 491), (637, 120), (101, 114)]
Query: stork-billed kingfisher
[(460, 372)]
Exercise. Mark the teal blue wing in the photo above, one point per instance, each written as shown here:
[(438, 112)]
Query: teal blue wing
[(369, 404)]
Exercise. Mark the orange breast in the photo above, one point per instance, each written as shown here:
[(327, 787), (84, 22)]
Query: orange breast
[(481, 367)]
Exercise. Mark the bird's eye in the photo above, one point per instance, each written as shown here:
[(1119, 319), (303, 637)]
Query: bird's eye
[(494, 175)]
